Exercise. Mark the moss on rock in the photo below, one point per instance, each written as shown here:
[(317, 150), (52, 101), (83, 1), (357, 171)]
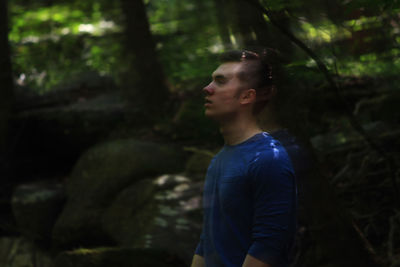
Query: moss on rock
[(98, 177), (117, 257), (130, 216)]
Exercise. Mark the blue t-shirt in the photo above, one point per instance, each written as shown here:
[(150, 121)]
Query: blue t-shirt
[(249, 203)]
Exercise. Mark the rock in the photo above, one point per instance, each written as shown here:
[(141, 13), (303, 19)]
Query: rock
[(70, 118), (117, 257), (177, 225), (190, 123), (167, 182), (36, 207), (169, 219), (131, 214), (19, 252), (98, 177), (84, 85), (197, 164)]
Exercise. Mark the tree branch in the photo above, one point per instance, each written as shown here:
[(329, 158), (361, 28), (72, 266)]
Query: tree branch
[(342, 101), (368, 245)]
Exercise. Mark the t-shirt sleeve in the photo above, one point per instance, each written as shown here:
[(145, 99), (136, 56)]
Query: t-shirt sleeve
[(199, 249), (274, 204)]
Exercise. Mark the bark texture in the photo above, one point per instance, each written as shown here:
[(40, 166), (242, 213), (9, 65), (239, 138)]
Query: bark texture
[(144, 80), (6, 81)]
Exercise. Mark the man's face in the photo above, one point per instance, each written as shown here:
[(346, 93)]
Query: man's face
[(222, 101)]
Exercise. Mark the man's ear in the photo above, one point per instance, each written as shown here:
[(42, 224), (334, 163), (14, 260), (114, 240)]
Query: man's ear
[(248, 96)]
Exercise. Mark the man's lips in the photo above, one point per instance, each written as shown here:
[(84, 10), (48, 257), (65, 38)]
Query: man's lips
[(207, 103)]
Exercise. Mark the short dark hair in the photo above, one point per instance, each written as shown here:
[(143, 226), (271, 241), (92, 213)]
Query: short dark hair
[(257, 72)]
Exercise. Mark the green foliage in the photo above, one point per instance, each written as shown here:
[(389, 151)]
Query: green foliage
[(186, 41), (52, 43)]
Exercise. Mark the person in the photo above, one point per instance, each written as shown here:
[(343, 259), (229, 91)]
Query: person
[(250, 195)]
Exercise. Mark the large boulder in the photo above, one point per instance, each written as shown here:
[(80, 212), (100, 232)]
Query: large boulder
[(131, 214), (117, 257), (68, 130), (36, 207), (191, 125), (177, 225), (99, 176), (197, 164), (168, 219)]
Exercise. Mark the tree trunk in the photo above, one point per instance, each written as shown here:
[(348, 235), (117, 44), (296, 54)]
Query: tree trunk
[(251, 30), (241, 22), (6, 105), (144, 82), (223, 26), (6, 81)]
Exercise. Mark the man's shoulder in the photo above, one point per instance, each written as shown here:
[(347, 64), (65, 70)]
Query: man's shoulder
[(269, 148), (269, 153), (262, 149)]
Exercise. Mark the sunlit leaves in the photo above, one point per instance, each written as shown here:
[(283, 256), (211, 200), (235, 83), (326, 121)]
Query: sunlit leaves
[(325, 32), (45, 20), (368, 66), (52, 43), (184, 38), (42, 37), (186, 41)]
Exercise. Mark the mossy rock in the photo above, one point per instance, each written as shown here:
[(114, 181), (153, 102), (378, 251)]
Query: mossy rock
[(124, 160), (197, 165), (35, 208), (98, 177), (117, 257), (130, 216), (178, 222), (191, 123)]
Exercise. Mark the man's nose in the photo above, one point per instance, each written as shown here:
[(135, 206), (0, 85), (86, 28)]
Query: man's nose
[(208, 90)]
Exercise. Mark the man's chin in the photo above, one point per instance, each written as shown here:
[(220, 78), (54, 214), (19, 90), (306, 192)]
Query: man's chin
[(220, 117), (213, 116), (209, 114)]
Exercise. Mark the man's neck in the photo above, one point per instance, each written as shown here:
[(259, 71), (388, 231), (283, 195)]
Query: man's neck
[(239, 130)]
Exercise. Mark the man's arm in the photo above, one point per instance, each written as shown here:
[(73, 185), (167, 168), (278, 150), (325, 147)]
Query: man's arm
[(198, 261), (274, 195), (250, 261)]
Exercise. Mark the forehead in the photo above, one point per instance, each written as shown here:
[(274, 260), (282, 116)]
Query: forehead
[(229, 69)]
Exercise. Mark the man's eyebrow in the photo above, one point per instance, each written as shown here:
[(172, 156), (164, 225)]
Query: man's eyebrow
[(219, 76)]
